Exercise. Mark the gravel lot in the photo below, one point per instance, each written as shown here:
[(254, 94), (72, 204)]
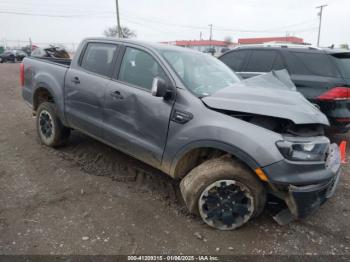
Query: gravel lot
[(87, 198)]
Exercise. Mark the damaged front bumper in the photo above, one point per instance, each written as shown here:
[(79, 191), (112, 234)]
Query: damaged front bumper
[(305, 198)]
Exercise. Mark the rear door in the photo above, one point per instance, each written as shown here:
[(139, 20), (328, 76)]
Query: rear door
[(313, 72), (86, 85), (342, 61), (135, 121)]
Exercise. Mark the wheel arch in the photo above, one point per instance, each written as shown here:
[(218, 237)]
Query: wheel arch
[(190, 156), (42, 93)]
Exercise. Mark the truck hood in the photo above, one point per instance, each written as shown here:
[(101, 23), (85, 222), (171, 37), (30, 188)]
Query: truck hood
[(267, 95)]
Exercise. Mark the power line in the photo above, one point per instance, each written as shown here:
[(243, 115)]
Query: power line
[(72, 5), (271, 30), (218, 28), (82, 15), (41, 14), (142, 24), (147, 20)]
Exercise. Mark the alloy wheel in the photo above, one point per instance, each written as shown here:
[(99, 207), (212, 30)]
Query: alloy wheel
[(46, 125), (226, 204)]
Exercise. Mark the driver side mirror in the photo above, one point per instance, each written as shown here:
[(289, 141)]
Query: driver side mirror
[(160, 88)]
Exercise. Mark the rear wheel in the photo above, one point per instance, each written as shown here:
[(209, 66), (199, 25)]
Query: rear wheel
[(224, 193), (51, 131)]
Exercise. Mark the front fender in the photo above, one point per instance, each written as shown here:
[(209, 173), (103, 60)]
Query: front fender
[(240, 154), (252, 144)]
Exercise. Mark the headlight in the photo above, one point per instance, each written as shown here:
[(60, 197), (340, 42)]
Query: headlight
[(303, 151)]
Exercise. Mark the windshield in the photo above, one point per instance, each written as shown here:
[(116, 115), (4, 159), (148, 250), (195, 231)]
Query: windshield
[(201, 73), (343, 62)]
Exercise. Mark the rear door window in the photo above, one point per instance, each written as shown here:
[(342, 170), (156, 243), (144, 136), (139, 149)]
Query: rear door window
[(278, 64), (235, 59), (319, 64), (343, 62), (98, 58), (261, 61)]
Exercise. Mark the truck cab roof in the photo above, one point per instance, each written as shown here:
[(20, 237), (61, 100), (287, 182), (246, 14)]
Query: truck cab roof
[(147, 44)]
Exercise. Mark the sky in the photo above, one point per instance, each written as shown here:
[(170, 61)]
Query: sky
[(69, 21)]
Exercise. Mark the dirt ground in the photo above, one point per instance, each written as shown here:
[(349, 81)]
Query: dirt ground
[(87, 198)]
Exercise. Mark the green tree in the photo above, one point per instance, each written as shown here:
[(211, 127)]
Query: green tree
[(126, 32)]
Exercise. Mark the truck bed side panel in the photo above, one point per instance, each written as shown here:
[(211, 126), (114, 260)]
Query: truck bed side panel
[(48, 75)]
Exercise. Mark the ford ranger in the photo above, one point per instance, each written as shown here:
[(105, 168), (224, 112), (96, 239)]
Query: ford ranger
[(231, 142)]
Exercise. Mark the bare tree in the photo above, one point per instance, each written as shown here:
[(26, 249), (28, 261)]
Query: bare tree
[(113, 32)]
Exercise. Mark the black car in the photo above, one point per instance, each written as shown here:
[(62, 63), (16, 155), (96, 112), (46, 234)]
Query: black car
[(7, 56), (322, 75), (19, 54)]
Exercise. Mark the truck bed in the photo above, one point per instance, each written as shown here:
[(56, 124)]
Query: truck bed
[(61, 61)]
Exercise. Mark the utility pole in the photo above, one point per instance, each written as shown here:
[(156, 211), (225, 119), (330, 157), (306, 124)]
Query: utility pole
[(120, 33), (30, 46), (287, 34), (319, 24), (211, 32), (211, 36)]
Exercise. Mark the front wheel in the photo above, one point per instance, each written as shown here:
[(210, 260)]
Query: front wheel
[(224, 193), (50, 129)]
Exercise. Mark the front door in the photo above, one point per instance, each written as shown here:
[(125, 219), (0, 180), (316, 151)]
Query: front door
[(135, 121)]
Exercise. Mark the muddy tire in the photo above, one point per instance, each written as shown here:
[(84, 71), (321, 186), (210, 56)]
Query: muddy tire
[(223, 192), (50, 129)]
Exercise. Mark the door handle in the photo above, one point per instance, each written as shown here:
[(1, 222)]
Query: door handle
[(116, 94), (76, 80)]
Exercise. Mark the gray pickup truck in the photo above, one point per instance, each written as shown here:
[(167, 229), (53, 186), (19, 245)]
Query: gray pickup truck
[(232, 143)]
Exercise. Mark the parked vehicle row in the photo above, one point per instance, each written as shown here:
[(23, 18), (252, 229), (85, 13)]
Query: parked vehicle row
[(12, 56), (322, 75), (231, 142), (17, 55)]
